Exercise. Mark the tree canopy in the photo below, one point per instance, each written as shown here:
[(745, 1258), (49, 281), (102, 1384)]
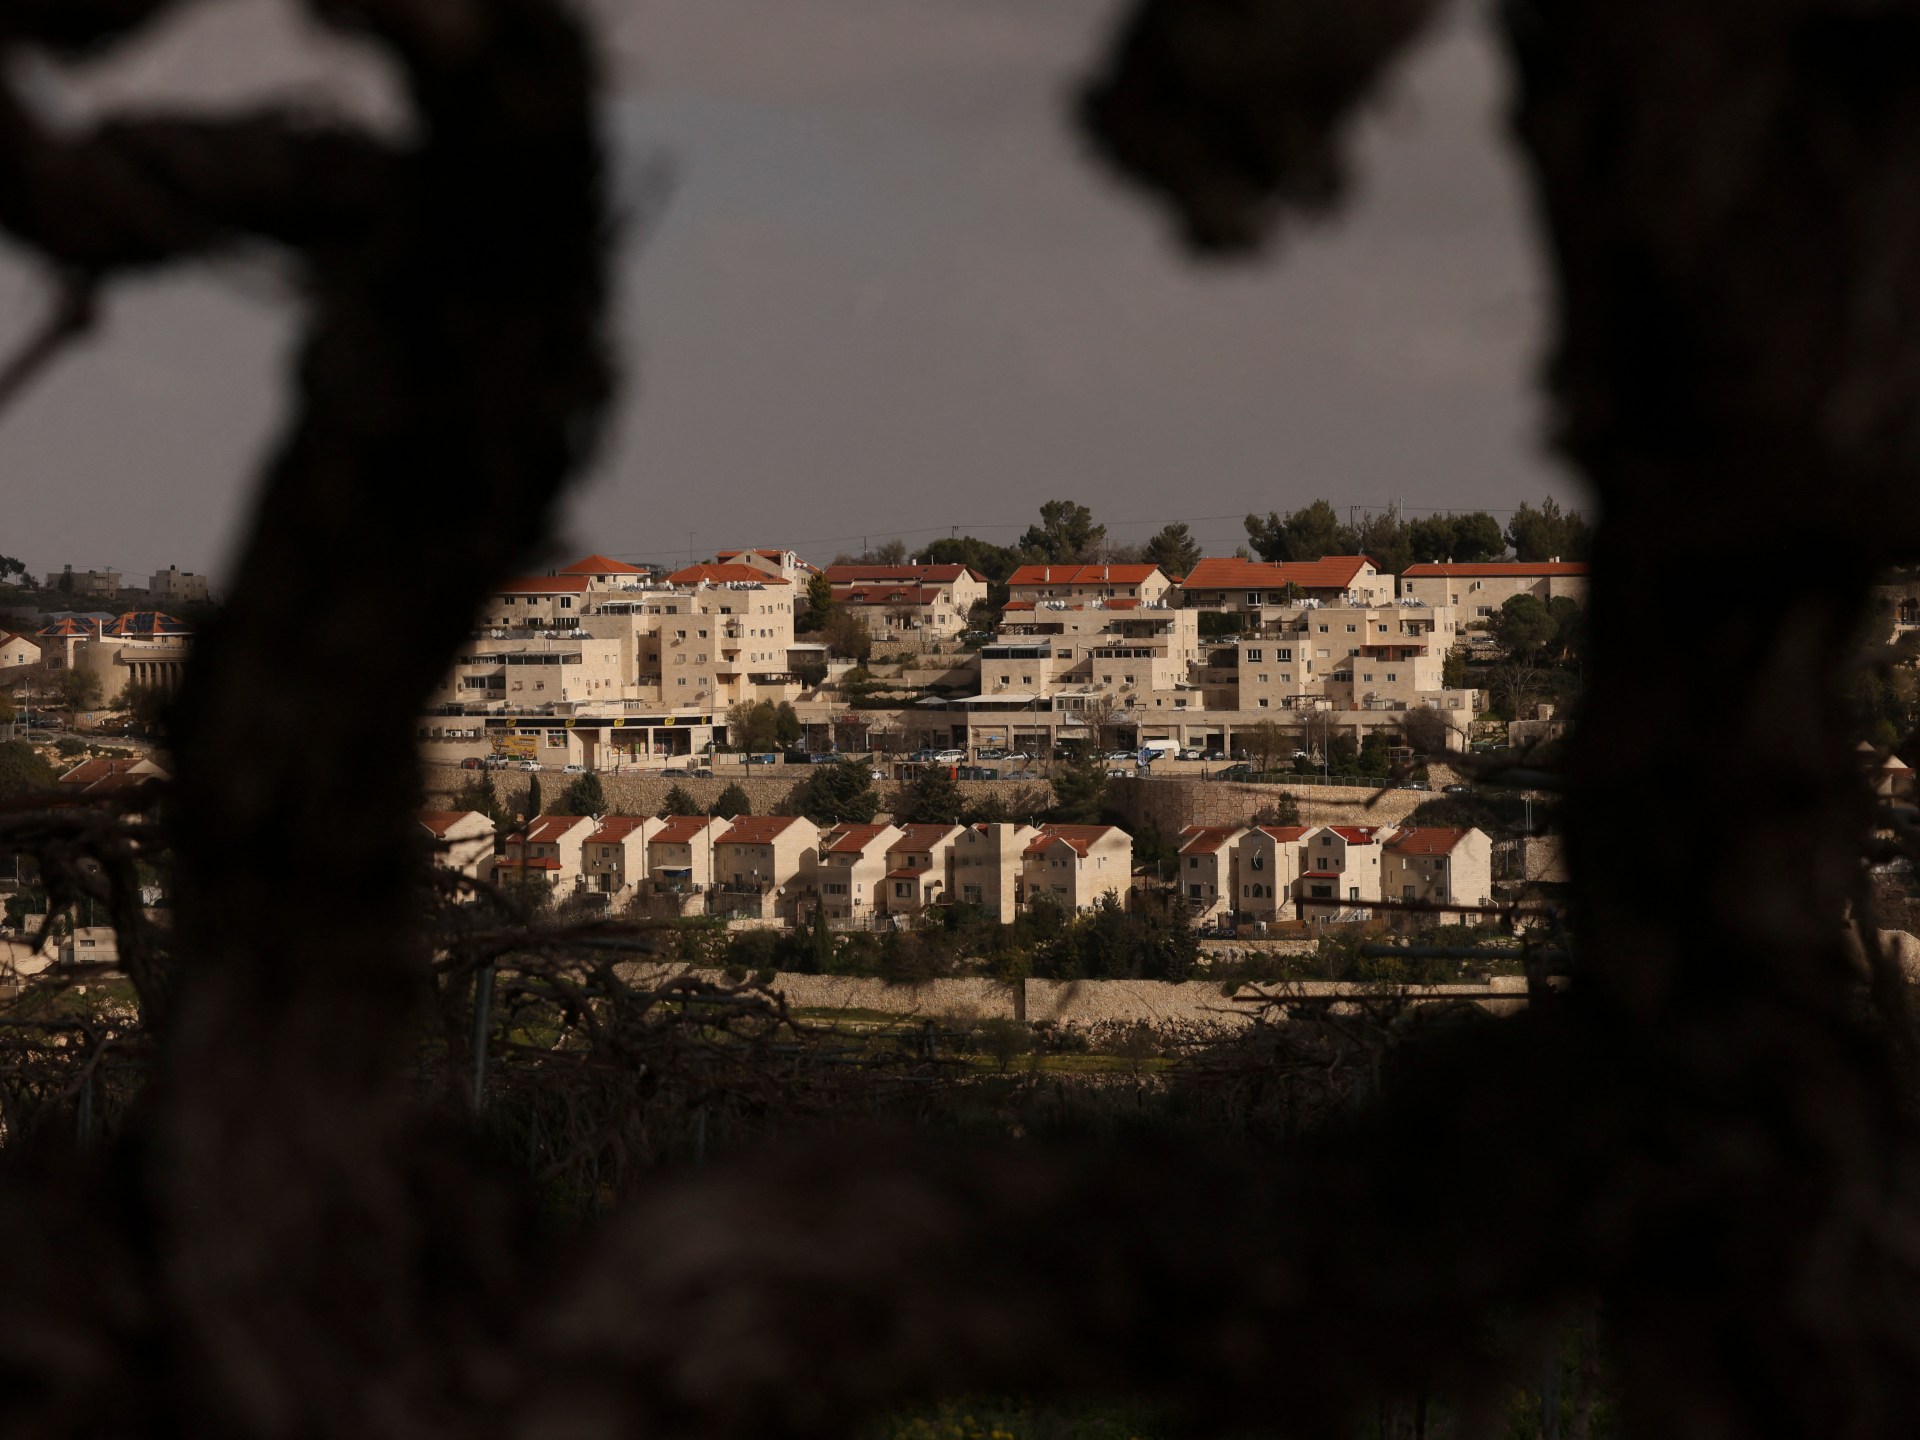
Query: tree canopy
[(836, 794)]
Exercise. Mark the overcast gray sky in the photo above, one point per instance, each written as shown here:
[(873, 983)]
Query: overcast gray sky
[(889, 297)]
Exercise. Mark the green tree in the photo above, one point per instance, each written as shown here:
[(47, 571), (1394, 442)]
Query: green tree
[(1547, 532), (996, 562), (1174, 550), (1523, 626), (733, 802), (76, 690), (1374, 757), (836, 794), (931, 798), (1384, 536), (1463, 538), (585, 796), (847, 636), (533, 796), (148, 706), (679, 802), (1079, 792), (479, 794), (820, 603), (1308, 533), (22, 771), (1066, 533)]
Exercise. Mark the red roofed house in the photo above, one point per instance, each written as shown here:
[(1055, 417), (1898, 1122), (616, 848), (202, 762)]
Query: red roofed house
[(919, 868), (1145, 583), (680, 856), (462, 840), (616, 853), (1340, 874), (1437, 866), (909, 602), (1074, 866), (103, 776), (989, 863), (1479, 589), (548, 849), (850, 872), (1256, 585), (1205, 877), (762, 864)]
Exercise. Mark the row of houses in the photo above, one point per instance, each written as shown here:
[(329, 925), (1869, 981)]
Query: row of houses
[(785, 868)]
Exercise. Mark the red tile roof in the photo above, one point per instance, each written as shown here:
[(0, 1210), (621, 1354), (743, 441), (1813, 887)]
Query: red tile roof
[(1206, 839), (725, 575), (1492, 569), (438, 822), (680, 830), (1082, 574), (758, 829), (601, 565), (886, 594), (1358, 834), (1330, 572), (924, 835), (616, 828), (1283, 833), (851, 839), (546, 829), (544, 585), (1080, 837), (1427, 840)]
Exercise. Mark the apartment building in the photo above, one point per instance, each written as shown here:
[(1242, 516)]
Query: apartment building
[(1082, 583), (1476, 591), (174, 586), (762, 864), (1432, 865), (461, 840), (851, 870), (616, 854), (909, 604), (548, 849), (1344, 658), (1254, 588), (1076, 866)]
